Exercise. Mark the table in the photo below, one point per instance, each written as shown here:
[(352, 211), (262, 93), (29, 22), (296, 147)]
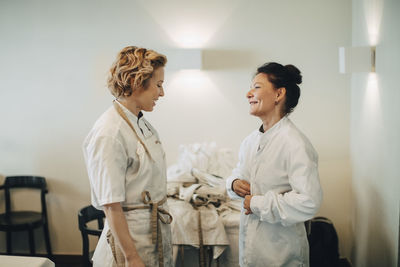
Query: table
[(22, 261)]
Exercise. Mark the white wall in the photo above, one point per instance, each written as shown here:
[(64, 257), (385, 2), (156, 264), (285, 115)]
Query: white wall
[(375, 131), (55, 56)]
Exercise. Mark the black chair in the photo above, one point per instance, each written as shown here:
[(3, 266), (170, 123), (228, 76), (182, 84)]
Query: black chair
[(86, 215), (13, 221)]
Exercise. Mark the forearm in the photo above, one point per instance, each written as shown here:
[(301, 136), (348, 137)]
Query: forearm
[(119, 228), (288, 208)]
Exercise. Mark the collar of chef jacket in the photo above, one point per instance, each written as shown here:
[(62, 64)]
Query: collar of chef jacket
[(265, 137), (139, 121)]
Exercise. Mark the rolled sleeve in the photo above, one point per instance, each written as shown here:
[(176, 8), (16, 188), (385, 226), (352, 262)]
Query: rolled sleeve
[(241, 170), (256, 205), (229, 190), (299, 204)]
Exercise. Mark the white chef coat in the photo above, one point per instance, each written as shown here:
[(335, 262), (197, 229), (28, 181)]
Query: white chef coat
[(282, 168), (120, 170)]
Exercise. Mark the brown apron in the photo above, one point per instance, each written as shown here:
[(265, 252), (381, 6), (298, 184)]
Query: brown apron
[(157, 215)]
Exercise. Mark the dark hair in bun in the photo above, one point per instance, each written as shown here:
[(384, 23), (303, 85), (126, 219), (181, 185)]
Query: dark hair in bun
[(284, 76)]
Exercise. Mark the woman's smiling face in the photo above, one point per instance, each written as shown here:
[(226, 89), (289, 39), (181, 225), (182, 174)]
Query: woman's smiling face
[(146, 98), (262, 96)]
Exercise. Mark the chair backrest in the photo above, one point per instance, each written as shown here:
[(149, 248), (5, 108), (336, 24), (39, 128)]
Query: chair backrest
[(88, 214), (33, 182), (25, 182)]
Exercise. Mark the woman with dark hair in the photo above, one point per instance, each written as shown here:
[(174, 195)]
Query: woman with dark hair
[(276, 176), (126, 166)]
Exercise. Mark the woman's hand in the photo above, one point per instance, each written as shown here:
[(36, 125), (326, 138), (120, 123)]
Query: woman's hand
[(120, 230), (134, 261), (241, 187), (246, 204)]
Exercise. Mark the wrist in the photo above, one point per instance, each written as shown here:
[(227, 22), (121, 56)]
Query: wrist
[(131, 255), (129, 250), (233, 183)]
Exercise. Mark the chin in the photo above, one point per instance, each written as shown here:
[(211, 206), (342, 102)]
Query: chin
[(149, 109), (254, 113)]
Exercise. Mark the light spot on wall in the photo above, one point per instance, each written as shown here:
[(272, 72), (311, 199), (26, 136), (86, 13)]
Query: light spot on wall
[(372, 92), (193, 82), (194, 22), (373, 16), (372, 107), (190, 36)]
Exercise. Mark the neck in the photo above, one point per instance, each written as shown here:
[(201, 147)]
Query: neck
[(130, 105), (270, 120)]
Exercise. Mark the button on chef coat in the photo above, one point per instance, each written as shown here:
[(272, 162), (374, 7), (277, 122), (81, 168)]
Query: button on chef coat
[(282, 168)]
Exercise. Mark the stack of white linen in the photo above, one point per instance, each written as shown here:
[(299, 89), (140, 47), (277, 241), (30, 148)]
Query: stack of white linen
[(196, 187)]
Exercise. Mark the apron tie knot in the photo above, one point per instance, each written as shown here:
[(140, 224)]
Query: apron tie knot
[(157, 214)]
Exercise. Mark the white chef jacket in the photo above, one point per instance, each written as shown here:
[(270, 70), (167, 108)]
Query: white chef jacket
[(120, 170), (282, 168)]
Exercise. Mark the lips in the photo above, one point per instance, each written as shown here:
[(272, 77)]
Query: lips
[(253, 102)]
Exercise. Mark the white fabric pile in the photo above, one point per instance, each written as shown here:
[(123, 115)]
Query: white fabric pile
[(196, 184), (205, 157)]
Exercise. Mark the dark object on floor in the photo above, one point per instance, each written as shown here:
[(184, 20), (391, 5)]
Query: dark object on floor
[(323, 241), (85, 215), (13, 221), (344, 262)]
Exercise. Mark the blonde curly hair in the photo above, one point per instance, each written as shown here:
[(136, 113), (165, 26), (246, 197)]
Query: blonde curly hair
[(132, 68)]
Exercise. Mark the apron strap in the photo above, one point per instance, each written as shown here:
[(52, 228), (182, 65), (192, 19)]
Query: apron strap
[(158, 215), (202, 255), (123, 115)]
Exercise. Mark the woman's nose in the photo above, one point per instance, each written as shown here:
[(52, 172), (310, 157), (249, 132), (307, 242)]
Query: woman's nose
[(250, 93)]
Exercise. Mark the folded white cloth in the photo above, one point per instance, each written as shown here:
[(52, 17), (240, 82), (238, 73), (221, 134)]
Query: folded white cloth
[(222, 163), (212, 194), (205, 157), (230, 217), (195, 156), (173, 189), (176, 174), (206, 178), (235, 204), (186, 193)]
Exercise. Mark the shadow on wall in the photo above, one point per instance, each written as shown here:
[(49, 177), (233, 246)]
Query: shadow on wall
[(371, 233)]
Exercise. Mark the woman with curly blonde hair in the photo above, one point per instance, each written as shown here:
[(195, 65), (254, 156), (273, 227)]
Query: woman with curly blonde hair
[(126, 166)]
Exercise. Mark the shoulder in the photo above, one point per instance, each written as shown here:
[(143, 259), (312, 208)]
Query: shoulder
[(296, 139), (249, 141), (107, 127), (250, 138)]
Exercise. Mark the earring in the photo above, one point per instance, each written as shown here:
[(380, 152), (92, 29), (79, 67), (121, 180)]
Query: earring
[(276, 102)]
